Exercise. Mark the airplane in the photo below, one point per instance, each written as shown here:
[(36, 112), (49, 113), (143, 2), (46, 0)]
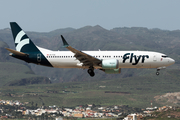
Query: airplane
[(110, 62)]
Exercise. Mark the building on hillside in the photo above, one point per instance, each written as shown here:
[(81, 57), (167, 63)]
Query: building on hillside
[(79, 115), (131, 117), (59, 118)]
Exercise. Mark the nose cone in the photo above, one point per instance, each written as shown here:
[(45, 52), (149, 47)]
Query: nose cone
[(171, 61)]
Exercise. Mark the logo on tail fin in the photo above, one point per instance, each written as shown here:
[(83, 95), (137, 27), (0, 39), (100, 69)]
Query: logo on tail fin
[(20, 43)]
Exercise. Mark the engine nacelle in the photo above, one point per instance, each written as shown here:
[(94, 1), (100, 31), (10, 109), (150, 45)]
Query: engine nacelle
[(113, 71), (110, 64)]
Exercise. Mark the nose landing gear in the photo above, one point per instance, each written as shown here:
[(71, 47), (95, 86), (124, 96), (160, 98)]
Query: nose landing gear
[(157, 73), (159, 68)]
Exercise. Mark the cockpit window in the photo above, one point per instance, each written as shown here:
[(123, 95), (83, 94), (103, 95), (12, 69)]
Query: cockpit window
[(164, 56)]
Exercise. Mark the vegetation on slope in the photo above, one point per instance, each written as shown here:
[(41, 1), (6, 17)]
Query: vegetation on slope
[(133, 91), (16, 72)]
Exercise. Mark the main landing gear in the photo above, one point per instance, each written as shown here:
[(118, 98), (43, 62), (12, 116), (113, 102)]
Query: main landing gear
[(91, 71)]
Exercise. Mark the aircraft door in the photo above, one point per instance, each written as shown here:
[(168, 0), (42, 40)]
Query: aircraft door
[(154, 58), (39, 57)]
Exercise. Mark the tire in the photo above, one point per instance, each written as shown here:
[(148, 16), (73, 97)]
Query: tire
[(157, 73), (91, 72)]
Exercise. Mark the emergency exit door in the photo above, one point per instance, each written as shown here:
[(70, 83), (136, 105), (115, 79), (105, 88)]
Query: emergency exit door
[(154, 58)]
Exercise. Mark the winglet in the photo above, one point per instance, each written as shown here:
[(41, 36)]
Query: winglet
[(64, 42)]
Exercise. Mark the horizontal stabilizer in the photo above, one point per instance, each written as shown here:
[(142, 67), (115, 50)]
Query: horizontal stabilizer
[(16, 52)]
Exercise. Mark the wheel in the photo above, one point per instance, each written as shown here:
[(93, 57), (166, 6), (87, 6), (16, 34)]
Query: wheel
[(91, 72), (157, 73)]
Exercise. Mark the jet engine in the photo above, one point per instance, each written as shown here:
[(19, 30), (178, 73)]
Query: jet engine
[(110, 64)]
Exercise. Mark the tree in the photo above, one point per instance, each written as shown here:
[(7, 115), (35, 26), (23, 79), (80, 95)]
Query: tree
[(93, 106), (32, 103)]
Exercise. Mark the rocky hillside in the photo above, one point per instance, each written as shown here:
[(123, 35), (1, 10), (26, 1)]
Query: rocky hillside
[(169, 98), (16, 72)]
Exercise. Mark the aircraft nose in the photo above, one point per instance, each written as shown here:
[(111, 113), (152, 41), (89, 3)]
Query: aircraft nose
[(171, 61)]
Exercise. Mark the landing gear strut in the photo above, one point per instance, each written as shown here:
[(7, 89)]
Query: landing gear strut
[(91, 71)]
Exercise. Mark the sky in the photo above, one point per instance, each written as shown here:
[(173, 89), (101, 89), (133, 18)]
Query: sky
[(46, 15)]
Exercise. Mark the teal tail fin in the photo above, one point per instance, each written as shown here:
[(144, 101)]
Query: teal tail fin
[(22, 42)]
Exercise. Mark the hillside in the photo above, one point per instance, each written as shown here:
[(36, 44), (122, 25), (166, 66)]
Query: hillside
[(136, 91), (169, 98), (16, 72)]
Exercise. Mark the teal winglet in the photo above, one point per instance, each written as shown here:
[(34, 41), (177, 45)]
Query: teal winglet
[(65, 44)]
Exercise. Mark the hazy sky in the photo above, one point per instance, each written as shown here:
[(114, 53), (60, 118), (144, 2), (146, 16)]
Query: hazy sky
[(48, 15)]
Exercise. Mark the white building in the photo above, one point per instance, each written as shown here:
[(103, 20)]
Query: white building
[(131, 117)]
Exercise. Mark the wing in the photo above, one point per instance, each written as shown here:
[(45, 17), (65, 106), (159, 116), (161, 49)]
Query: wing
[(84, 58)]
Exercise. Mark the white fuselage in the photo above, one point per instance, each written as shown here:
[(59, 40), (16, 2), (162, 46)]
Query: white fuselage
[(110, 62), (127, 59)]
